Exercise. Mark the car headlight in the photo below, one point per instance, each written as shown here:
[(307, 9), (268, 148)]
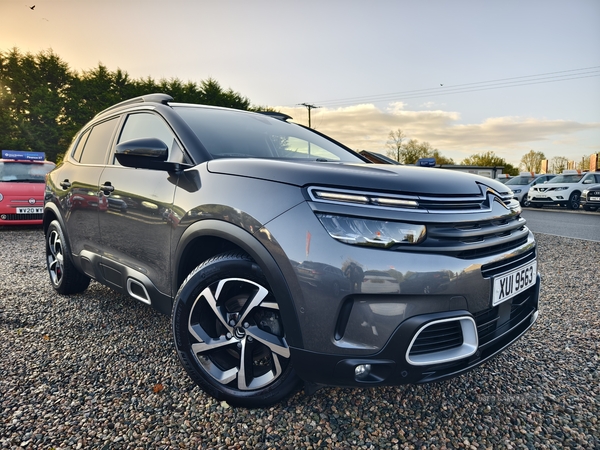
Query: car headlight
[(561, 188), (372, 232), (517, 191), (583, 194)]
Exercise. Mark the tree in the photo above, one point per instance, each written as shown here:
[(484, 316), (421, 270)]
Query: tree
[(532, 161), (43, 103), (558, 164), (490, 159), (441, 159), (394, 144), (413, 150), (585, 163)]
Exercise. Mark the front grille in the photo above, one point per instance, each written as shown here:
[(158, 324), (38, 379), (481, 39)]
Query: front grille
[(494, 322), (438, 337), (508, 264), (22, 216)]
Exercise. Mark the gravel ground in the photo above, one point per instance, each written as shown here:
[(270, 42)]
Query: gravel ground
[(98, 370)]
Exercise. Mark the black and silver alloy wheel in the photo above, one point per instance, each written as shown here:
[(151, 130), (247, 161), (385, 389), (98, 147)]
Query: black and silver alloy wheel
[(55, 257), (229, 333), (573, 201), (65, 278)]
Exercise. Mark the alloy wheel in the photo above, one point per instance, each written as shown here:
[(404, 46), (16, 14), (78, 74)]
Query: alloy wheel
[(236, 334)]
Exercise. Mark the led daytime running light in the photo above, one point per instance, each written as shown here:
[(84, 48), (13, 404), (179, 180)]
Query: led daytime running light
[(365, 199)]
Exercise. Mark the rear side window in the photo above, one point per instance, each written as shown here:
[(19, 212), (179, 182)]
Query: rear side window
[(97, 145)]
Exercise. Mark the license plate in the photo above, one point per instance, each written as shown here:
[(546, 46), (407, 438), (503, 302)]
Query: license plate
[(594, 199), (514, 282), (32, 210), (540, 196)]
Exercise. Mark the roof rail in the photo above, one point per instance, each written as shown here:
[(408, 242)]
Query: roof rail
[(148, 98)]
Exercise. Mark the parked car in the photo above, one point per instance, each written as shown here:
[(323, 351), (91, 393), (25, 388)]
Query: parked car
[(253, 195), (22, 177), (521, 184), (504, 178), (563, 190), (590, 198)]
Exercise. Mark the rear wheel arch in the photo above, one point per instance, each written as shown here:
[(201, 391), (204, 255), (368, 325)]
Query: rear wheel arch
[(209, 238)]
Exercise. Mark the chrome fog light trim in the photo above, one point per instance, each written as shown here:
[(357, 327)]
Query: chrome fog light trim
[(468, 347)]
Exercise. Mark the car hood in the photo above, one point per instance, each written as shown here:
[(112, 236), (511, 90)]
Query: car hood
[(405, 179)]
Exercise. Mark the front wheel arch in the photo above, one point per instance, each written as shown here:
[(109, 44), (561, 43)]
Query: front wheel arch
[(234, 238)]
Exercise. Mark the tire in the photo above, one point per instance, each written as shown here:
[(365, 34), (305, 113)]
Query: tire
[(64, 276), (525, 203), (229, 334), (573, 201)]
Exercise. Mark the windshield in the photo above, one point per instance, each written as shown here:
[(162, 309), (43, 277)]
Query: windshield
[(237, 134), (566, 179), (24, 172), (520, 181)]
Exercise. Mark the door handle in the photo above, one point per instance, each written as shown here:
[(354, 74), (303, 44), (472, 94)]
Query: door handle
[(107, 188), (65, 184)]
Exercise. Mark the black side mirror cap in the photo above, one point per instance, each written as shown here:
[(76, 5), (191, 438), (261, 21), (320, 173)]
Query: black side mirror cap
[(146, 153)]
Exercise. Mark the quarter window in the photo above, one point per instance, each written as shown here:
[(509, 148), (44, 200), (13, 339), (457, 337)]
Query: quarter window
[(98, 142)]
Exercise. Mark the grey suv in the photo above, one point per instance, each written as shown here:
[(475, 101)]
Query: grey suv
[(258, 236)]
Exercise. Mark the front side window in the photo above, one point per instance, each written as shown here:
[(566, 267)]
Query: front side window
[(98, 142), (147, 125), (520, 181)]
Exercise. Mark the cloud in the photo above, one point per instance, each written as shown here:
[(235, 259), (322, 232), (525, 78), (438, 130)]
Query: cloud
[(366, 126)]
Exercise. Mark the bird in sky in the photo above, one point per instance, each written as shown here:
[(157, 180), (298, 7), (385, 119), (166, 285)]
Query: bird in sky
[(441, 84), (31, 7)]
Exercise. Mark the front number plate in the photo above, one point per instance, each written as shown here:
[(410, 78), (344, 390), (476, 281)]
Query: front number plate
[(514, 282), (32, 210), (594, 199)]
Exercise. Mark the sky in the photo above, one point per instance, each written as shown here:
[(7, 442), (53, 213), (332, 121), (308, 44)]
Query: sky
[(468, 77)]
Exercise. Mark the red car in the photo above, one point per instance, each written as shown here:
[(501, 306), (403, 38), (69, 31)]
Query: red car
[(22, 181)]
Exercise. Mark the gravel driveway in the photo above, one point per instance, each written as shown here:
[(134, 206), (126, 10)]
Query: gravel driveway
[(98, 370)]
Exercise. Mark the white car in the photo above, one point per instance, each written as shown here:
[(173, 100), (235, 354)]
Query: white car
[(564, 190), (521, 184)]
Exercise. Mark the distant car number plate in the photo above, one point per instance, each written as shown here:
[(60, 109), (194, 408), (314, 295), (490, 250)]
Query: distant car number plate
[(514, 282), (34, 210)]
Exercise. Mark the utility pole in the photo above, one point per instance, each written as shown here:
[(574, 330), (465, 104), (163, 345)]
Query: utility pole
[(309, 107)]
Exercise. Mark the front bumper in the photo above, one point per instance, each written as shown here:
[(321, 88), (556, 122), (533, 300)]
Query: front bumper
[(497, 328)]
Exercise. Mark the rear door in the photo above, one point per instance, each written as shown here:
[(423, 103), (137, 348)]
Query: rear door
[(80, 197)]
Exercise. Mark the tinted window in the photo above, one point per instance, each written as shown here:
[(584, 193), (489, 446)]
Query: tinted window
[(97, 144), (145, 126), (234, 134), (77, 151)]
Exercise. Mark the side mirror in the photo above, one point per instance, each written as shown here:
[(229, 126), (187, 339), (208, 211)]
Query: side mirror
[(144, 153)]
